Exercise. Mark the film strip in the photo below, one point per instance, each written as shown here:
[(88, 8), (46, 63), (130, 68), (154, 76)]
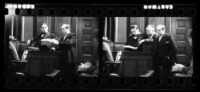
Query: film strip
[(53, 14)]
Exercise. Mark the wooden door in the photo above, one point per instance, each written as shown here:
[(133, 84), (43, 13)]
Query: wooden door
[(179, 29), (87, 39)]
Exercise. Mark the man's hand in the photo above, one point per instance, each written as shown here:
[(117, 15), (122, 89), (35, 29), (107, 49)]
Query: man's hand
[(149, 40), (28, 42), (54, 41), (53, 48), (143, 40)]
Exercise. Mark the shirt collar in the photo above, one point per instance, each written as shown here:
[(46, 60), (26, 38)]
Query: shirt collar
[(66, 35)]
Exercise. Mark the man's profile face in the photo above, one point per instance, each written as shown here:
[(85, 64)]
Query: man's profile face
[(65, 29), (44, 28), (149, 30)]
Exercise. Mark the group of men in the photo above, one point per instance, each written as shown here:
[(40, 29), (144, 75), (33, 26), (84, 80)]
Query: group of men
[(47, 41), (154, 40)]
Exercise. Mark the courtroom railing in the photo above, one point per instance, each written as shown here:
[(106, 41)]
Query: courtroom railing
[(136, 64)]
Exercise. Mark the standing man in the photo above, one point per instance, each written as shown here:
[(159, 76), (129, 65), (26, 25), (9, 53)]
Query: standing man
[(67, 46), (147, 41), (132, 43), (165, 53)]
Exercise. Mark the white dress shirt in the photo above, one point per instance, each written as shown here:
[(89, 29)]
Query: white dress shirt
[(160, 37)]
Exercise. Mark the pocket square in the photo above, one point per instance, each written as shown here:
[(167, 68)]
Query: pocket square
[(167, 42)]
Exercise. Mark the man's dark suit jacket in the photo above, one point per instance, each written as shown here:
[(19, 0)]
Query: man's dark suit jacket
[(166, 47), (147, 46), (68, 47)]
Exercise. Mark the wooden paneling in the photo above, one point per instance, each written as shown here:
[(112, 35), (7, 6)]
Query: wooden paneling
[(180, 27), (40, 64), (135, 64), (177, 26), (156, 20), (86, 35)]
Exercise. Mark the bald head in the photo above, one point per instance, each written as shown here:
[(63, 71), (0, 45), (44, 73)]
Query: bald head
[(65, 28)]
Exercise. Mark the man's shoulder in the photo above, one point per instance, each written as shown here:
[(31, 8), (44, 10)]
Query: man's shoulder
[(143, 35), (52, 34), (72, 35), (167, 34)]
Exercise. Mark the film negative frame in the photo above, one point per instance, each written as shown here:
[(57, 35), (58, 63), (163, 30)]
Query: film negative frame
[(100, 82)]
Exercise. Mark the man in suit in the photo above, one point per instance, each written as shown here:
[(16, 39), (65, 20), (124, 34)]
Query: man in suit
[(165, 53), (148, 38), (39, 42), (133, 39), (42, 38), (67, 46)]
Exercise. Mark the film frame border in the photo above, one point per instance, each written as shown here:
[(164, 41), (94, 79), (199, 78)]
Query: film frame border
[(111, 10), (104, 82)]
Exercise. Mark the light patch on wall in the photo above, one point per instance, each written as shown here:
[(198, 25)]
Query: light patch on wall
[(122, 29), (28, 28)]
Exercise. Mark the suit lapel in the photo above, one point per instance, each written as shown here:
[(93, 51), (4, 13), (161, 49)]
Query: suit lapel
[(162, 40), (67, 37)]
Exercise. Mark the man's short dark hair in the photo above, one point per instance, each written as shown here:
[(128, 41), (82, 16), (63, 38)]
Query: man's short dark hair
[(134, 26)]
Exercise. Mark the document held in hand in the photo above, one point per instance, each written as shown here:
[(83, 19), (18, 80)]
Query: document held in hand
[(130, 47)]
